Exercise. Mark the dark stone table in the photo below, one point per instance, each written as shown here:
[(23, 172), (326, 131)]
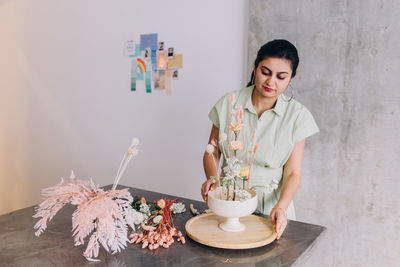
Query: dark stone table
[(55, 247)]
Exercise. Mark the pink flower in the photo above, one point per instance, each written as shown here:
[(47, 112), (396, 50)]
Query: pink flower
[(161, 203), (232, 99), (236, 145), (253, 136), (256, 148), (239, 115), (235, 127), (244, 172)]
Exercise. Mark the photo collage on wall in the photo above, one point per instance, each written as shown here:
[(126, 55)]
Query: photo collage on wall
[(153, 62)]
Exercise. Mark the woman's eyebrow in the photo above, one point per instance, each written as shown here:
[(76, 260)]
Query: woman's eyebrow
[(282, 72)]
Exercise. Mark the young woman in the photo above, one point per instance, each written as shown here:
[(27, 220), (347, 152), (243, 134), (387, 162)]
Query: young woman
[(282, 124)]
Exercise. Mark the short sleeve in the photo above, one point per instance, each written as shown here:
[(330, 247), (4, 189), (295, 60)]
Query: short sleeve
[(218, 113), (213, 116), (305, 126)]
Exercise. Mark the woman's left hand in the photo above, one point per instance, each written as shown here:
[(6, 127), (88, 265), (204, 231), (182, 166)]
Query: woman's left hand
[(278, 219)]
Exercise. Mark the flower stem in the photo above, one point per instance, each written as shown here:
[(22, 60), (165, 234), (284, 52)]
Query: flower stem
[(234, 188), (125, 164)]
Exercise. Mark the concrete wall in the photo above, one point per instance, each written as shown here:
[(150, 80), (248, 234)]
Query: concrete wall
[(65, 99), (349, 79)]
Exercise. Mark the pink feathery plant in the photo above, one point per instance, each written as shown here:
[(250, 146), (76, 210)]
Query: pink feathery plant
[(101, 216)]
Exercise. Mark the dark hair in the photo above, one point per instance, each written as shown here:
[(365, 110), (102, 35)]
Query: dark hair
[(279, 49)]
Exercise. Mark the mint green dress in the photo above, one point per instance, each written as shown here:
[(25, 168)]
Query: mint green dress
[(278, 130)]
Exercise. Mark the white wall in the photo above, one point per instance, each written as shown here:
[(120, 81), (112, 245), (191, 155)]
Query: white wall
[(65, 101)]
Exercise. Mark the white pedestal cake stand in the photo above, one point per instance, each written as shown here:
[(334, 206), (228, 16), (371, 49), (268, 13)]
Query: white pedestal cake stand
[(231, 224)]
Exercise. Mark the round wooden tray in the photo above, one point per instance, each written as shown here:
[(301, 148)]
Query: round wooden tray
[(204, 229)]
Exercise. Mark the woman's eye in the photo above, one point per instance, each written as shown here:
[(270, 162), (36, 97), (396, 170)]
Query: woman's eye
[(281, 78), (264, 73)]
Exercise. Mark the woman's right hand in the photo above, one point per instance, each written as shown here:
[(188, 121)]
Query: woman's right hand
[(207, 186)]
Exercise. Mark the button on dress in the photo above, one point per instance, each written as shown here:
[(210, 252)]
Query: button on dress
[(277, 131)]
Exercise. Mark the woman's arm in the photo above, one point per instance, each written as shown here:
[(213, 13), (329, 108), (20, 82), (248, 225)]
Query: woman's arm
[(291, 182), (208, 163)]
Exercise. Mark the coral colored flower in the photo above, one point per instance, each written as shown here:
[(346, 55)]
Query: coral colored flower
[(253, 136), (161, 203), (239, 115), (244, 173), (236, 145), (235, 127), (143, 200), (232, 99), (256, 148)]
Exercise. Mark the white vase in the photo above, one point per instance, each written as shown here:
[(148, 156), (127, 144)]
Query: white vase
[(231, 210)]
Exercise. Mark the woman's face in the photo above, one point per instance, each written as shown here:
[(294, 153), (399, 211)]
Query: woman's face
[(273, 76)]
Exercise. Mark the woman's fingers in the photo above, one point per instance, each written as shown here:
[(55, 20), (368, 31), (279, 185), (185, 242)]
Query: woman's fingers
[(204, 191), (278, 228), (205, 188), (280, 224), (278, 219), (272, 217), (281, 228), (213, 186)]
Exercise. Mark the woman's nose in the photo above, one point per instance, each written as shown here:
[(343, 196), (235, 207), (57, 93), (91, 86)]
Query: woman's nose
[(271, 80)]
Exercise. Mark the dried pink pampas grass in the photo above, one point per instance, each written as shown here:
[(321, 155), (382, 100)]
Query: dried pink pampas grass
[(102, 215)]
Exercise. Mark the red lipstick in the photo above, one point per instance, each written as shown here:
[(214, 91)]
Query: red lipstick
[(267, 89)]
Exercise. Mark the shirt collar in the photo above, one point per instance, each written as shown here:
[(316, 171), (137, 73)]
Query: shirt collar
[(279, 106)]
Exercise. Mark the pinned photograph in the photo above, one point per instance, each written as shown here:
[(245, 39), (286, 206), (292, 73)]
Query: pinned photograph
[(147, 53), (170, 52), (160, 46), (161, 60), (159, 79), (175, 73)]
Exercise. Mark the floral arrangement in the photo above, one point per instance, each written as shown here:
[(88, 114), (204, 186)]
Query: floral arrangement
[(157, 227), (235, 178), (106, 216)]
